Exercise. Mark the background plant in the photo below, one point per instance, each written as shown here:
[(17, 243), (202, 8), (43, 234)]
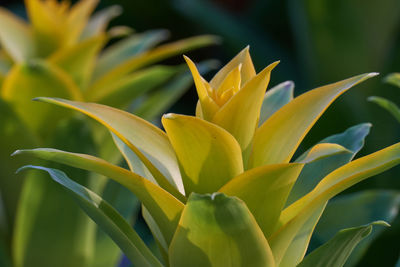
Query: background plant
[(63, 52), (222, 150)]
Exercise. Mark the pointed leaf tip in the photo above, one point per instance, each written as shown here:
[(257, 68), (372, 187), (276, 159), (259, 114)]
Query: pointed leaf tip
[(169, 116)]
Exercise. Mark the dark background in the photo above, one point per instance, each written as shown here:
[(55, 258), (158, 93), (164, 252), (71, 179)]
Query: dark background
[(317, 41)]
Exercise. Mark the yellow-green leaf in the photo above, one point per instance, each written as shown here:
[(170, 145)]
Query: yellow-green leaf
[(46, 26), (335, 252), (388, 105), (77, 19), (37, 78), (278, 138), (148, 142), (125, 90), (99, 21), (217, 230), (127, 49), (79, 60), (107, 218), (247, 71), (312, 174), (149, 57), (265, 190), (16, 36), (275, 98), (206, 104), (320, 151), (393, 78), (240, 114), (208, 155), (295, 216), (164, 207)]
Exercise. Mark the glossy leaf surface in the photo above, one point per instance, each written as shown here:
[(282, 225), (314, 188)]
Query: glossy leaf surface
[(107, 218), (216, 230)]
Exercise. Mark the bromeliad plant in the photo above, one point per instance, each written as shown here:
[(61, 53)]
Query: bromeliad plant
[(216, 188), (64, 51)]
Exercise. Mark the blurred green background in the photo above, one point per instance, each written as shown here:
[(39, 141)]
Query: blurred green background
[(317, 41)]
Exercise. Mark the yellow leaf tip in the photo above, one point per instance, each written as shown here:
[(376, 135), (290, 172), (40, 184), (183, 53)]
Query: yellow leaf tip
[(169, 116)]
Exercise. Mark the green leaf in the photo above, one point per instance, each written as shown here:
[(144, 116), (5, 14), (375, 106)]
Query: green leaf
[(32, 79), (148, 142), (79, 60), (36, 229), (99, 21), (216, 230), (156, 232), (393, 78), (386, 104), (55, 25), (126, 49), (208, 155), (275, 98), (356, 209), (264, 190), (107, 253), (154, 55), (310, 176), (125, 90), (353, 140), (278, 138), (293, 217), (15, 36), (335, 252), (240, 114), (163, 206), (107, 218), (14, 134), (160, 100)]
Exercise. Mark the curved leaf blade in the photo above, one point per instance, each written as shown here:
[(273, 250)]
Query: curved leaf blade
[(149, 57), (148, 142), (107, 218), (247, 71), (393, 78), (163, 206), (32, 79), (208, 155), (386, 104), (352, 140), (99, 21), (335, 252), (278, 138), (79, 60), (126, 89), (356, 209), (15, 36), (240, 114), (127, 49), (264, 190), (274, 99), (216, 230), (159, 101), (293, 217)]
